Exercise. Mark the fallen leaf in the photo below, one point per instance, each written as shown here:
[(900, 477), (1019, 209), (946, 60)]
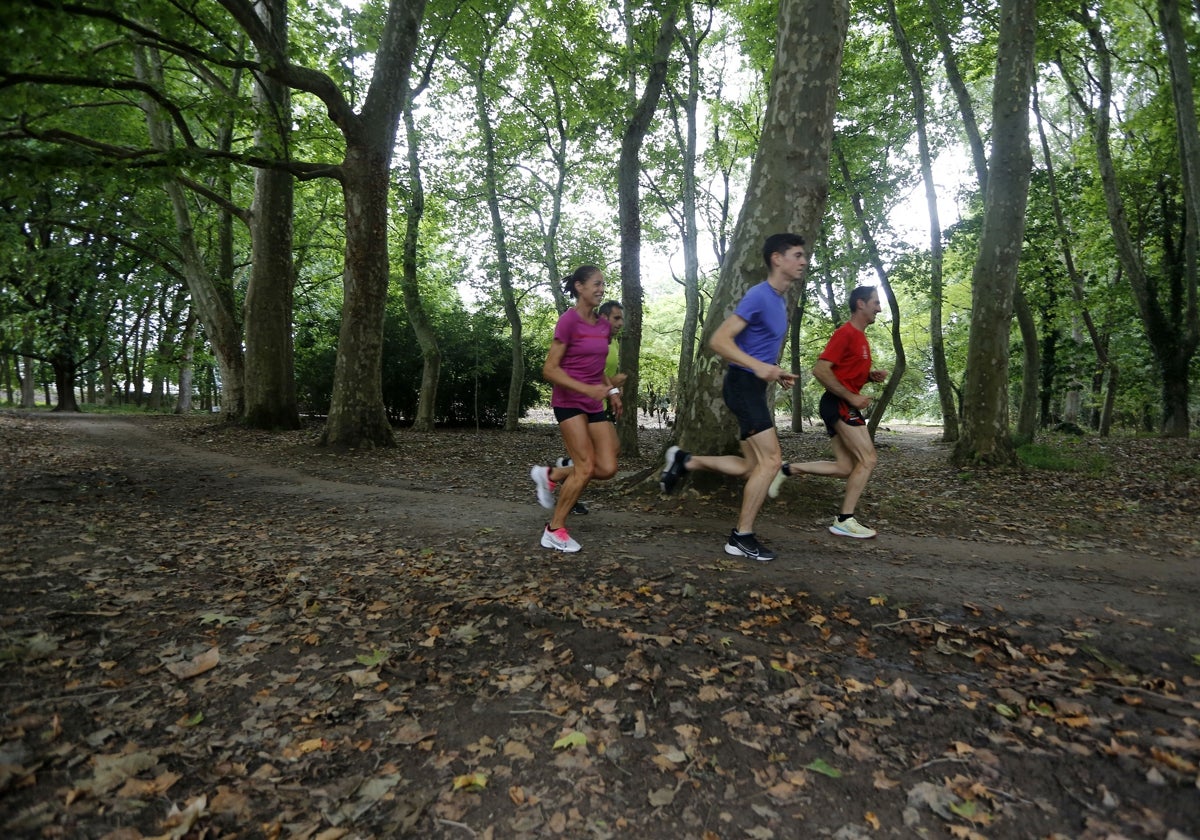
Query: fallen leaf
[(199, 664)]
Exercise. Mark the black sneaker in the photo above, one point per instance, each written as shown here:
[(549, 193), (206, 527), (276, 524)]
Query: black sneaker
[(745, 545), (580, 509), (673, 468)]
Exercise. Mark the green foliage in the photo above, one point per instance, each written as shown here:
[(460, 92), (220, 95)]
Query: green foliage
[(1062, 454)]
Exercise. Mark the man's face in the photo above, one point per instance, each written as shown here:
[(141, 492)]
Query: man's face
[(616, 317), (871, 307), (793, 262)]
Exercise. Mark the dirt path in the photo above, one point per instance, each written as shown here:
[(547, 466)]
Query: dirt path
[(1035, 580)]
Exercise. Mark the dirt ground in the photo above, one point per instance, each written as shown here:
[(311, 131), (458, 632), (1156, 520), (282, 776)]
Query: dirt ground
[(213, 633)]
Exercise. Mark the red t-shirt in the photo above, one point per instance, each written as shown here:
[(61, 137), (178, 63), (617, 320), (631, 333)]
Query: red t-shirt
[(850, 354), (584, 358)]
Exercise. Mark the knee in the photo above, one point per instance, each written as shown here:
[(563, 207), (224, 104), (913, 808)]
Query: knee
[(585, 470), (868, 460), (772, 463)]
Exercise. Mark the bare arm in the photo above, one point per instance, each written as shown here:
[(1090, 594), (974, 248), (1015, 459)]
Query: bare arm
[(823, 371), (723, 344), (553, 373)]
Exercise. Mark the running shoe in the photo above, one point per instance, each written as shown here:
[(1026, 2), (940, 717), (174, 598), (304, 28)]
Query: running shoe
[(776, 484), (850, 528), (559, 540), (745, 545), (673, 468), (545, 487), (562, 461)]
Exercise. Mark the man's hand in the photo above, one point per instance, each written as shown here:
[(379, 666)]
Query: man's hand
[(879, 375), (774, 373)]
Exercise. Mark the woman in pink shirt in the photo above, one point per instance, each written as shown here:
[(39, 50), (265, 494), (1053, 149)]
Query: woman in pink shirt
[(575, 368)]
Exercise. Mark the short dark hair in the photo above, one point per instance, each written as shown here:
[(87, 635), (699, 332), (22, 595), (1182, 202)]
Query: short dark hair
[(608, 306), (860, 294), (777, 243), (579, 275)]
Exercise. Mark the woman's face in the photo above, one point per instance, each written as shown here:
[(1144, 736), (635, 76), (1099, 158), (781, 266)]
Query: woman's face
[(590, 292)]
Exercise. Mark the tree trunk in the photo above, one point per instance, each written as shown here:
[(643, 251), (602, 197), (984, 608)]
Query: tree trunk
[(356, 413), (629, 219), (1027, 409), (270, 360), (985, 435), (28, 385), (1176, 423), (1099, 345), (183, 404), (692, 40), (1173, 331), (214, 309), (431, 356), (937, 344), (65, 369), (787, 191)]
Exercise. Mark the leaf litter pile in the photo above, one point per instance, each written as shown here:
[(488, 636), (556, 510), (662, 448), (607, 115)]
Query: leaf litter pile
[(212, 633)]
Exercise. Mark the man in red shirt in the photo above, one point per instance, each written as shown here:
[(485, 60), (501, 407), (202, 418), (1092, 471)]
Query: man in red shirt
[(844, 368)]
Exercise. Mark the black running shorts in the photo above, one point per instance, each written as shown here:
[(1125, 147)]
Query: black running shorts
[(746, 396)]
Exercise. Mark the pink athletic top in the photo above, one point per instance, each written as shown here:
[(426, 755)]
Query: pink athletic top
[(586, 352)]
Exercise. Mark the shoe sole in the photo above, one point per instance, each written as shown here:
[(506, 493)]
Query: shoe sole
[(556, 547), (776, 486), (734, 551), (538, 489), (840, 533)]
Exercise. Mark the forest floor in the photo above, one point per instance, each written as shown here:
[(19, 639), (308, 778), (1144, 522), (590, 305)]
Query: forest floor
[(213, 633)]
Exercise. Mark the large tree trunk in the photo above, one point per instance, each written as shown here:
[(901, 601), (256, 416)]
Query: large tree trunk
[(1176, 422), (270, 361), (787, 191), (65, 369), (356, 412), (28, 385), (629, 216), (985, 435)]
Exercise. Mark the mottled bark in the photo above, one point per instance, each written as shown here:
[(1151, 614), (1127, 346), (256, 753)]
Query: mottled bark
[(787, 191), (270, 368), (985, 435)]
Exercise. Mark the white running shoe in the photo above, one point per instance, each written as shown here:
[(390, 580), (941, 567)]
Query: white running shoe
[(559, 540), (545, 488), (776, 485), (851, 528)]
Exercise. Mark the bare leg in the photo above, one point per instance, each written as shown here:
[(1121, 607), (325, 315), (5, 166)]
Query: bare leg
[(854, 459), (758, 463), (593, 451)]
